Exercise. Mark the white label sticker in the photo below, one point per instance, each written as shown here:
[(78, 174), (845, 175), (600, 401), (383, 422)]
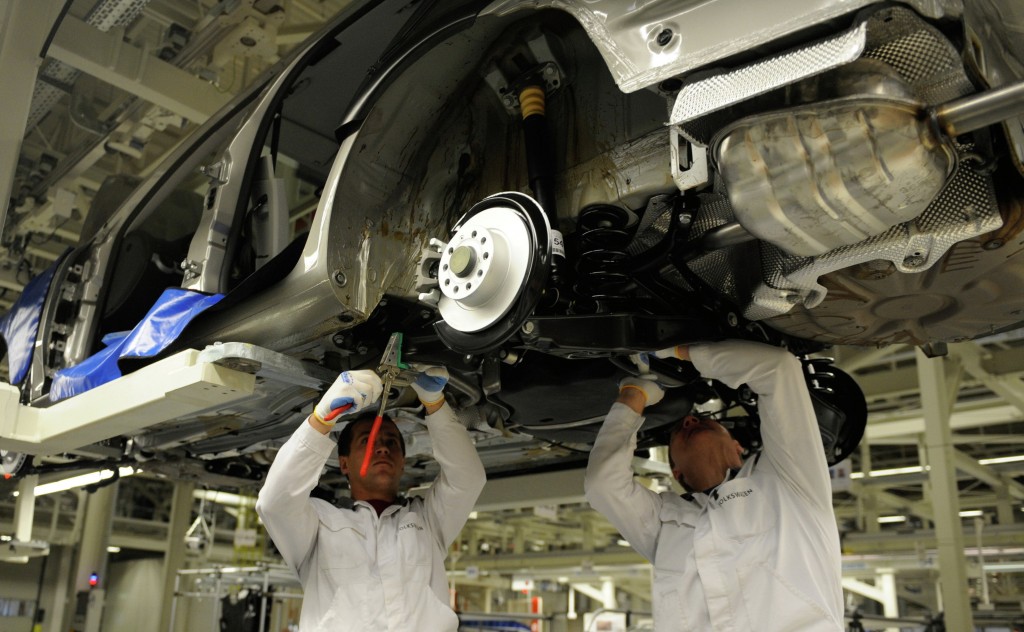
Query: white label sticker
[(557, 244)]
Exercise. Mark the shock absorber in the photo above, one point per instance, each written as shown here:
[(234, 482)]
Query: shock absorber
[(541, 169), (600, 264)]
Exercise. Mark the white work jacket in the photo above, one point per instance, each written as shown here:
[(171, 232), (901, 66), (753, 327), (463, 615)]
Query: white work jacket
[(760, 551), (362, 572)]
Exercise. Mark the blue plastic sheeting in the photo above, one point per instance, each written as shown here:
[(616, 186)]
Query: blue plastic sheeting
[(155, 332), (20, 326)]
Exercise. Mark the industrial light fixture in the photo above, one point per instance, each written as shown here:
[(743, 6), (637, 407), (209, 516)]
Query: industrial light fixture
[(915, 469), (224, 498), (967, 513), (113, 549), (1001, 459), (1006, 567), (82, 480), (891, 519), (911, 469)]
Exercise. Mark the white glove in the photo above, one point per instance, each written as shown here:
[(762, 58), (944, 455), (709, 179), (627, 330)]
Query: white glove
[(671, 352), (429, 384), (642, 362), (358, 388), (652, 392)]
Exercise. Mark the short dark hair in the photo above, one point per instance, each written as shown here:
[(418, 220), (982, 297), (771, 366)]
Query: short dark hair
[(676, 427), (346, 435)]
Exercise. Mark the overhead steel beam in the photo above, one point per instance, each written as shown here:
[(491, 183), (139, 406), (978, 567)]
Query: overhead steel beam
[(892, 501), (106, 56), (907, 428), (9, 280), (558, 561), (1009, 387), (968, 465), (864, 589), (24, 27), (900, 380), (913, 542)]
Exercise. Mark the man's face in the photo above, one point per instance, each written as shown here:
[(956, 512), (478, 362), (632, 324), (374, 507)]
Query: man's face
[(703, 452), (387, 462)]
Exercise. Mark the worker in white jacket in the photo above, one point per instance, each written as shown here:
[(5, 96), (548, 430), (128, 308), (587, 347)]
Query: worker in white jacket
[(753, 545), (377, 564)]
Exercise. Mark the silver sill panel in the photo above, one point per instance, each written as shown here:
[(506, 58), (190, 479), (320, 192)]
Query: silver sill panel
[(645, 43)]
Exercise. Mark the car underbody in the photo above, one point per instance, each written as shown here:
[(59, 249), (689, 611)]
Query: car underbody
[(530, 196)]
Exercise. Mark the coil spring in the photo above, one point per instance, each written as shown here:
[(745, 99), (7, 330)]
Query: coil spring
[(600, 265)]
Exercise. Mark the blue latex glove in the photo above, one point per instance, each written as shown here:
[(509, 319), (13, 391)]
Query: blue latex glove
[(429, 384), (358, 388)]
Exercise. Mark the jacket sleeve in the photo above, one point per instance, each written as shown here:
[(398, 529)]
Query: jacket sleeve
[(789, 427), (609, 486), (450, 499), (284, 504)]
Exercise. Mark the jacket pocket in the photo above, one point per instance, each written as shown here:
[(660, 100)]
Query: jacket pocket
[(769, 597), (349, 594), (673, 552), (669, 615), (342, 552), (429, 611)]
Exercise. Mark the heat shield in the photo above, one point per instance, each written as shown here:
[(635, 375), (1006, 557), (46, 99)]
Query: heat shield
[(818, 177)]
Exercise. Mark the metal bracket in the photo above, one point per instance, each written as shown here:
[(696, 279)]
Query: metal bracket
[(689, 161), (546, 69), (178, 385), (15, 550), (217, 172), (426, 272)]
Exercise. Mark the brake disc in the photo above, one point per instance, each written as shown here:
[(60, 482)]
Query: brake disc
[(11, 462), (492, 271)]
